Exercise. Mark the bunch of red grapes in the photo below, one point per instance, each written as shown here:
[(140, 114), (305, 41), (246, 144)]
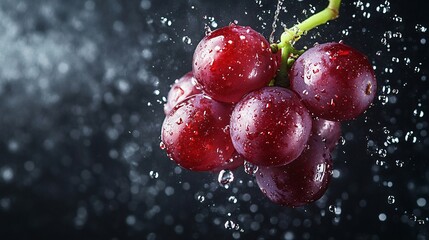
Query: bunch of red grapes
[(227, 110)]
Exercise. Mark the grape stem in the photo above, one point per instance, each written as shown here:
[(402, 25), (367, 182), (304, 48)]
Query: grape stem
[(291, 35), (294, 33)]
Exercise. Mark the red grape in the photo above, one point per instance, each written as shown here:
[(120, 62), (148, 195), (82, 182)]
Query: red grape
[(195, 133), (226, 112), (235, 161), (302, 181), (232, 61), (270, 126), (181, 89), (329, 131), (334, 81)]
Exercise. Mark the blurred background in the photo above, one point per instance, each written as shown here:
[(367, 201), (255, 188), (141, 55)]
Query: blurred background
[(82, 87)]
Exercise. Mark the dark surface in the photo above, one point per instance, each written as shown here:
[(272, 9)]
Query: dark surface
[(81, 104)]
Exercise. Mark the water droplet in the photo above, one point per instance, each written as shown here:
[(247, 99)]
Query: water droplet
[(409, 137), (380, 162), (230, 225), (421, 222), (421, 202), (6, 174), (418, 113), (207, 30), (179, 121), (391, 199), (386, 89), (383, 8), (153, 174), (232, 199), (382, 217), (397, 18), (225, 178), (200, 198), (165, 21), (187, 40), (421, 28), (250, 168), (342, 140), (13, 146), (383, 99), (416, 69), (412, 217), (399, 163), (332, 208), (382, 153), (317, 97)]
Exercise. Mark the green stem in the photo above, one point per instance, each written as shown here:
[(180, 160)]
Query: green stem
[(281, 79), (329, 13), (289, 36)]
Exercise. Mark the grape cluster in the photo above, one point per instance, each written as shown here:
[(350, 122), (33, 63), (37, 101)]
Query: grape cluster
[(229, 110)]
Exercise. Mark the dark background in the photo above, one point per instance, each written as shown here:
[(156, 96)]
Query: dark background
[(82, 85)]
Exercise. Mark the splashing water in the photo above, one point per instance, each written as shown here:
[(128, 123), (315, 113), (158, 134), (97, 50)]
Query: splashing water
[(276, 19)]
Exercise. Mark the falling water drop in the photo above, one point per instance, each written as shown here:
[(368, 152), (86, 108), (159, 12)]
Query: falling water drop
[(399, 163), (153, 174), (276, 18), (391, 199), (187, 40), (231, 225), (250, 168), (201, 198), (421, 28), (232, 199), (225, 178)]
